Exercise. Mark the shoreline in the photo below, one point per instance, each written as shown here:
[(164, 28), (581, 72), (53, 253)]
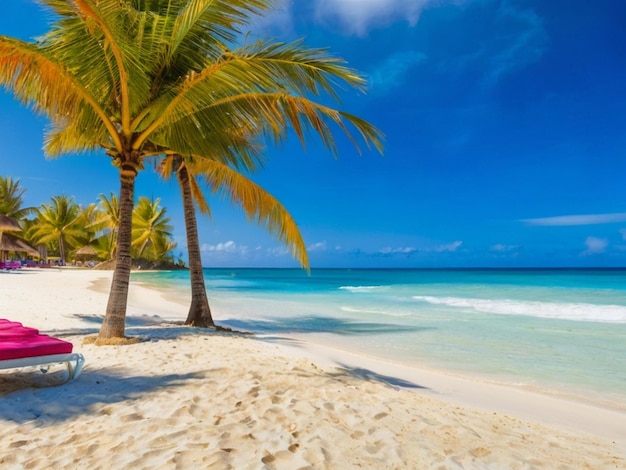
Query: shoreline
[(553, 407), (493, 425)]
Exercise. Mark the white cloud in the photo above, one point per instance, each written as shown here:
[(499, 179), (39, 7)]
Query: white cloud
[(394, 251), (568, 220), (504, 248), (595, 245), (226, 247), (278, 251), (409, 250), (393, 70), (451, 247), (319, 246), (357, 17)]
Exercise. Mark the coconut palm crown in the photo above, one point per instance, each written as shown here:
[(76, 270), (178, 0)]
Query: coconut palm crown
[(136, 77)]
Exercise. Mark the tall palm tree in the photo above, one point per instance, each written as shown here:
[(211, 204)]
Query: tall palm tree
[(254, 200), (150, 225), (62, 223), (137, 77)]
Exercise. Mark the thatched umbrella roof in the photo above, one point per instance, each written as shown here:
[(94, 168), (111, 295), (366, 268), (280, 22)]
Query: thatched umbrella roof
[(87, 251), (9, 243), (7, 224)]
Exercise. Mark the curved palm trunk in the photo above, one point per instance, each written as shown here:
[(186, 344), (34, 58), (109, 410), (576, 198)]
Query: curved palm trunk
[(199, 311), (114, 322)]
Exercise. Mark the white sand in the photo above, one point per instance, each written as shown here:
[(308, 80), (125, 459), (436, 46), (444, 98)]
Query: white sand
[(198, 399)]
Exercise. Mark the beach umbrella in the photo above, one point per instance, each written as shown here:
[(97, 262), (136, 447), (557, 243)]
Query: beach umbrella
[(86, 251)]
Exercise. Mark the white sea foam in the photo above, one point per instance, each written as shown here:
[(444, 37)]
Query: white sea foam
[(558, 310), (361, 288), (375, 311)]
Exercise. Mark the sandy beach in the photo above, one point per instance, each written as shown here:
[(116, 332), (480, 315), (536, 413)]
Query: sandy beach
[(187, 398)]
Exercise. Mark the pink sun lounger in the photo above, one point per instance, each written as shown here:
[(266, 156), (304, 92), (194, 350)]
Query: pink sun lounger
[(21, 346)]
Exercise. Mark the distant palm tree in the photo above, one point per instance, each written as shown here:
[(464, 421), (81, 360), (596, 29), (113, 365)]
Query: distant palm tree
[(62, 222), (11, 199), (254, 200), (140, 77), (150, 225), (106, 220)]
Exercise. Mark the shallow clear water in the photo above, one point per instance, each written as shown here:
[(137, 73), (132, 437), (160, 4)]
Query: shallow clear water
[(557, 329)]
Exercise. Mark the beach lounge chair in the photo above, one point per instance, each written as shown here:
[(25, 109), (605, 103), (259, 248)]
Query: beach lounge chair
[(21, 346)]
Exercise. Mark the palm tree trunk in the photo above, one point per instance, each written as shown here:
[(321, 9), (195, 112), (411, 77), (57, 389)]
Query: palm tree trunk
[(61, 249), (114, 322), (199, 311)]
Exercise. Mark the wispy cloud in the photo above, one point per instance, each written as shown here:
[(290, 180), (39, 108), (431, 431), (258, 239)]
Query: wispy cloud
[(450, 247), (500, 248), (393, 70), (319, 246), (225, 247), (569, 220), (277, 251), (523, 40), (410, 250), (595, 245), (357, 17), (388, 251), (514, 39)]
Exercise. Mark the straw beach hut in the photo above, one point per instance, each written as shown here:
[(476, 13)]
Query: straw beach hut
[(86, 253), (9, 243), (7, 224)]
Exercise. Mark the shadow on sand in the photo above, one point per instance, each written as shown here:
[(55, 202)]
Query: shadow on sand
[(317, 324), (89, 394), (27, 396), (155, 327), (371, 376)]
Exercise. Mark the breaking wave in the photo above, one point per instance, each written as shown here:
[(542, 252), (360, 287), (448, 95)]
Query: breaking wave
[(557, 310)]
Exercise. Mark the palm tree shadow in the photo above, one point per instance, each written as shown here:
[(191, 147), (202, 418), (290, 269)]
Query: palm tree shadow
[(345, 370), (371, 376), (22, 401), (317, 324)]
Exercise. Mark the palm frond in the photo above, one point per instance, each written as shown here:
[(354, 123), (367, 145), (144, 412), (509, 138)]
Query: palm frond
[(257, 204), (209, 25), (198, 196), (118, 27), (39, 81)]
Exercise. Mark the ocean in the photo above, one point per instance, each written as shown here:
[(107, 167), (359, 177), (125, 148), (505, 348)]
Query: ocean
[(560, 330)]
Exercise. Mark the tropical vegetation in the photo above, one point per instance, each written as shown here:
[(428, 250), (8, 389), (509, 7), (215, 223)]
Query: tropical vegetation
[(63, 227), (165, 77), (60, 223), (12, 198)]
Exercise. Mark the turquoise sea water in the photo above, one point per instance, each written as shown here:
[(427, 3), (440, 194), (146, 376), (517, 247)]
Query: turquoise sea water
[(554, 329)]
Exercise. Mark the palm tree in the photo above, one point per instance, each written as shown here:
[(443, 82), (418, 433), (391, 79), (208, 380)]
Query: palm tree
[(140, 77), (161, 250), (254, 200), (62, 223), (150, 225), (107, 222), (11, 199)]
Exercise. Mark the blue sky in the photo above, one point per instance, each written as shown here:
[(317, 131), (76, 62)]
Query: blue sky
[(505, 126)]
